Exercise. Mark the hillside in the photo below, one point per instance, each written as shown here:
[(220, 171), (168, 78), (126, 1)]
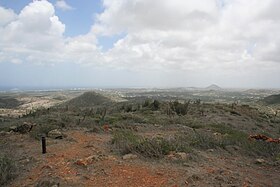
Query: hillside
[(272, 99), (9, 102), (141, 143), (87, 99)]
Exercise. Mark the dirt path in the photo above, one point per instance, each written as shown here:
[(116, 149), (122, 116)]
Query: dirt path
[(85, 159), (60, 164)]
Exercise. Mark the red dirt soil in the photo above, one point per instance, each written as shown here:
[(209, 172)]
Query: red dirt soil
[(59, 162)]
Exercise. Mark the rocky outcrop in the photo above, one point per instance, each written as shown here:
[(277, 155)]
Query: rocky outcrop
[(23, 128)]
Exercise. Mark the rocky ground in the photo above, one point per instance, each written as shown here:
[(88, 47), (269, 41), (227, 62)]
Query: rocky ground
[(85, 159), (137, 143)]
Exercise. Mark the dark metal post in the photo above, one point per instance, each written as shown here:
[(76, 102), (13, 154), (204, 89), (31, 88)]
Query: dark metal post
[(44, 150)]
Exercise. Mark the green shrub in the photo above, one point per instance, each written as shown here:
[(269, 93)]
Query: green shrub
[(156, 105), (231, 136), (159, 147), (223, 128), (41, 130), (127, 142), (7, 169), (205, 141), (180, 108), (146, 103)]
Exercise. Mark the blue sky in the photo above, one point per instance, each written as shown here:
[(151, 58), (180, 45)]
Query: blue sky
[(130, 43), (78, 21)]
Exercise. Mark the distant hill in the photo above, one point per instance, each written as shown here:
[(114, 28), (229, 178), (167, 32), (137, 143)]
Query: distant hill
[(272, 99), (9, 102), (213, 87), (87, 99)]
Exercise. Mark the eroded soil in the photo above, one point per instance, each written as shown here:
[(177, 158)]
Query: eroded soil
[(67, 163)]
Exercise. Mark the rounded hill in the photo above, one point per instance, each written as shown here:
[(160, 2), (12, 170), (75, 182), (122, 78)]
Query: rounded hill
[(272, 99), (88, 99), (213, 87)]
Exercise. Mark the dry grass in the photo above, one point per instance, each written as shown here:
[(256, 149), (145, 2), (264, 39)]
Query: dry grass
[(7, 169)]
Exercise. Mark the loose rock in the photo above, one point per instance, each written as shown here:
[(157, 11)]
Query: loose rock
[(177, 156), (129, 156), (55, 134), (259, 161)]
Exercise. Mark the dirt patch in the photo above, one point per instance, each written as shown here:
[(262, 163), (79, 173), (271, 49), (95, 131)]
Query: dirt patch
[(104, 168)]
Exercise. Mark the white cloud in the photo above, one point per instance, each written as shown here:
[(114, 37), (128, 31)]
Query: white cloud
[(236, 39), (36, 34), (61, 4), (195, 34), (6, 16)]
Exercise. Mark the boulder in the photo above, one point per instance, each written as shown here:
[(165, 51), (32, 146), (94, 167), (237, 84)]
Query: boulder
[(55, 134), (23, 128)]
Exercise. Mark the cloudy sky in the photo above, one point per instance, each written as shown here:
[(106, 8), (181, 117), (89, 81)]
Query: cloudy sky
[(140, 43)]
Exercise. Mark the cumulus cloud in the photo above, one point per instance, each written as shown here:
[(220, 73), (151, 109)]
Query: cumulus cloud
[(192, 35), (225, 37), (34, 34), (61, 4), (6, 15)]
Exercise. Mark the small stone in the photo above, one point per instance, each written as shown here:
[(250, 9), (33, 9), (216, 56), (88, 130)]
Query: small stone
[(181, 155), (171, 156), (217, 134), (129, 156), (236, 148), (3, 133), (259, 161), (13, 128), (210, 150), (81, 162), (219, 178), (186, 164)]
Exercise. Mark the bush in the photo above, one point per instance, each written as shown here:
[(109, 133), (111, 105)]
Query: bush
[(156, 105), (127, 142), (7, 169), (159, 147), (223, 128), (41, 130), (179, 108), (146, 103), (232, 137), (205, 141)]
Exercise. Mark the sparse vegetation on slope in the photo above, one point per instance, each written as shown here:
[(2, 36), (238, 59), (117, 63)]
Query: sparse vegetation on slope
[(7, 169), (9, 102), (125, 141), (87, 99), (151, 130), (272, 99)]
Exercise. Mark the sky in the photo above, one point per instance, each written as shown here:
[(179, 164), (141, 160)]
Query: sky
[(139, 43)]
